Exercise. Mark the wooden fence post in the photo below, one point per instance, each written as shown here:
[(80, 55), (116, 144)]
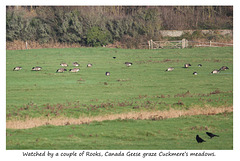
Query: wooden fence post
[(151, 42), (26, 45), (183, 43)]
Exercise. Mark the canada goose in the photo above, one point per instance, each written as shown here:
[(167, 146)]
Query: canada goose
[(128, 64), (75, 64), (199, 65), (215, 71), (74, 70), (194, 73), (107, 73), (170, 69), (187, 65), (89, 65), (36, 68), (17, 68), (224, 68), (64, 64), (61, 70)]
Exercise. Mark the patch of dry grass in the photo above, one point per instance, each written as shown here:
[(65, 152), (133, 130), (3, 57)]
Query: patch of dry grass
[(153, 115), (20, 45)]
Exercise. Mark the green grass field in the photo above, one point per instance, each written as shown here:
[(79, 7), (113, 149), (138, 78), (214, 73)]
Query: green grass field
[(171, 134), (145, 86)]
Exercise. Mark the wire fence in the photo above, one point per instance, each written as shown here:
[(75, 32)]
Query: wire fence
[(208, 44), (183, 44), (177, 44)]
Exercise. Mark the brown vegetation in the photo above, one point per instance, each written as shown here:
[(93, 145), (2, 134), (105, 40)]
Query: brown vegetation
[(142, 115), (142, 102), (20, 45), (158, 61)]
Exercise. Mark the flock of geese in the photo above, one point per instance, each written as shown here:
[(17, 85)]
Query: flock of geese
[(61, 70), (128, 64), (215, 71)]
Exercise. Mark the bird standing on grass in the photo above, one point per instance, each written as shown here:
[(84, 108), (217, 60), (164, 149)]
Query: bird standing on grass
[(224, 68), (194, 73), (74, 70), (128, 64), (17, 68), (75, 64), (170, 69), (36, 68), (61, 70), (89, 65), (211, 135), (187, 65), (215, 71), (64, 64), (199, 140)]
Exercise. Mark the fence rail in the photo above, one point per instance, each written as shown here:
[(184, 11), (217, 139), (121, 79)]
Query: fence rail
[(208, 44), (183, 44)]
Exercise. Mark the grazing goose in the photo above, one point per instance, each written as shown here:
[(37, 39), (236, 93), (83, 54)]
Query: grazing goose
[(36, 68), (194, 73), (64, 64), (89, 65), (74, 70), (17, 68), (215, 71), (75, 64), (187, 65), (128, 64), (199, 65), (170, 69), (107, 73), (224, 68), (61, 70)]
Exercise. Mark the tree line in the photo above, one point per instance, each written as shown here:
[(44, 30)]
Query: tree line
[(102, 25)]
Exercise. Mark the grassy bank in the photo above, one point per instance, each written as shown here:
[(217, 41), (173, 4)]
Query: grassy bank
[(175, 133)]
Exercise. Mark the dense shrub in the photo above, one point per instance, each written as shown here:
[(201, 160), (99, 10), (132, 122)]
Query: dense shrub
[(97, 37), (70, 28), (14, 26), (96, 26)]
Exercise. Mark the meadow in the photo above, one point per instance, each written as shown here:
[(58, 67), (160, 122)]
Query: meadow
[(143, 87), (170, 134)]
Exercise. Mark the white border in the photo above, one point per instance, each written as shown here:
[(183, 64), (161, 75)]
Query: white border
[(221, 154)]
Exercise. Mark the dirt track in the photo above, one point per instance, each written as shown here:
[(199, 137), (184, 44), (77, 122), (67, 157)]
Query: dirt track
[(153, 115)]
